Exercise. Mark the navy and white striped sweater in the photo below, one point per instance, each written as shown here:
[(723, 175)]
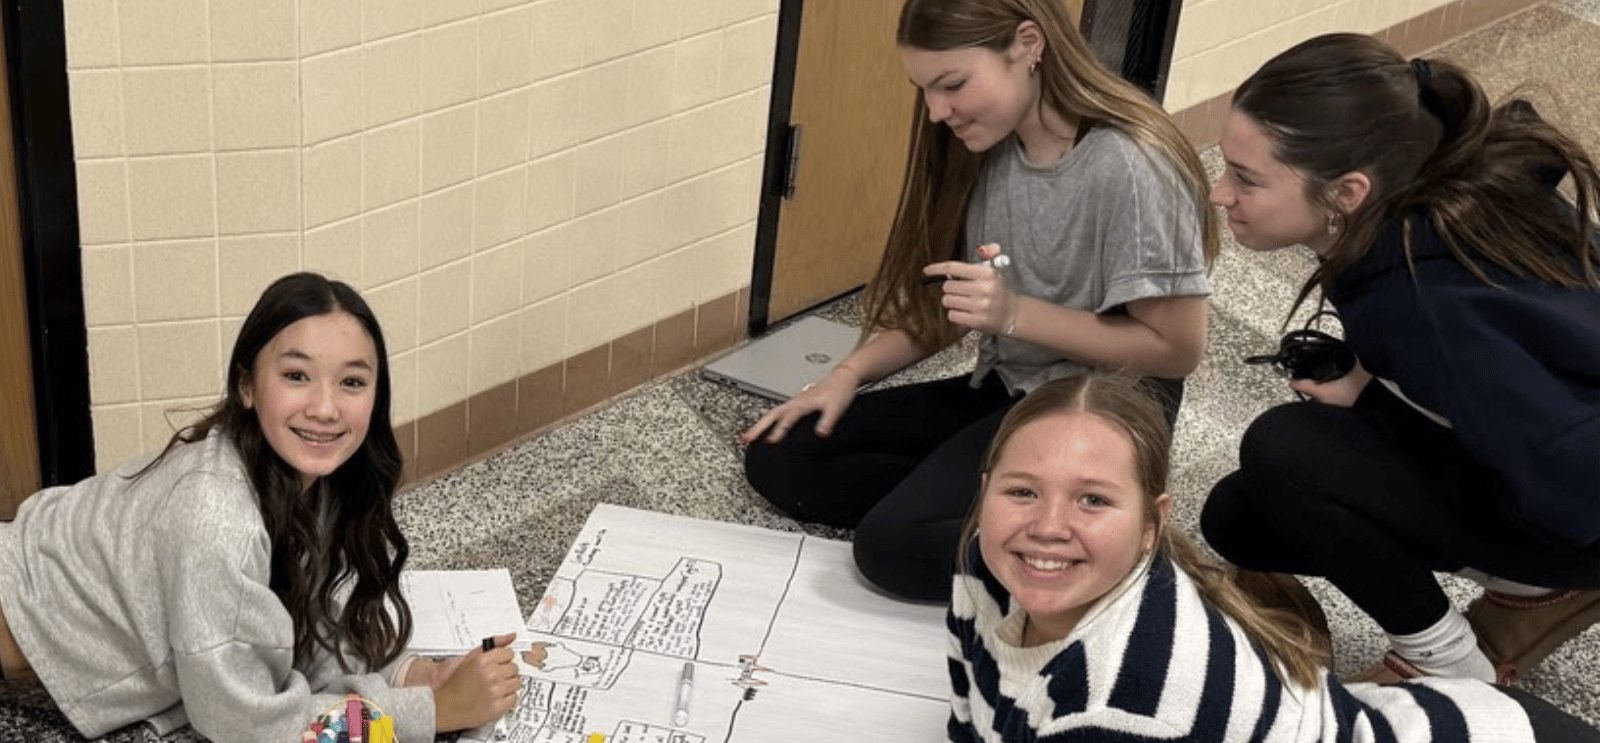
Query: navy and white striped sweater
[(1153, 662)]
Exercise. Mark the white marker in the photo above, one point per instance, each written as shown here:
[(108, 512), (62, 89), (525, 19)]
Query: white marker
[(680, 715), (1000, 260)]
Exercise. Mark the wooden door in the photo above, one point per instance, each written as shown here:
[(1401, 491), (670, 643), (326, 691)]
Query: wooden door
[(19, 442), (852, 109), (852, 105)]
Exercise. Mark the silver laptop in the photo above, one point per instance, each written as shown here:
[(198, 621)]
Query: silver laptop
[(778, 365)]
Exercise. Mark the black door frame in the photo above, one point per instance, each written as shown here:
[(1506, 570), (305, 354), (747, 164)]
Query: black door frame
[(47, 195), (775, 171), (1147, 48)]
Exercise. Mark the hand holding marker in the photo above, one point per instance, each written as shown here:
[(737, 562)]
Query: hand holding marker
[(998, 263), (975, 294)]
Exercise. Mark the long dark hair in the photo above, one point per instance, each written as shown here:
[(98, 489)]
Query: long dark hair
[(344, 526), (1129, 405), (940, 171), (1427, 137)]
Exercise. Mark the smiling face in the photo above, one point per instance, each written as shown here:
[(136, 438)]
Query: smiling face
[(982, 95), (313, 388), (1063, 517), (1266, 200)]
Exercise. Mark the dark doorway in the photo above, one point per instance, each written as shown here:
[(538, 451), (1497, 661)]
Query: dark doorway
[(47, 210)]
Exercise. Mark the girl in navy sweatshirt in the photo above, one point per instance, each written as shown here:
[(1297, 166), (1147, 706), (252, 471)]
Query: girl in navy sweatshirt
[(1465, 439)]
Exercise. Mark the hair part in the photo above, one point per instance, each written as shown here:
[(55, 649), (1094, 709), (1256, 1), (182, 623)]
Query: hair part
[(1131, 407), (1428, 139), (343, 528), (940, 172)]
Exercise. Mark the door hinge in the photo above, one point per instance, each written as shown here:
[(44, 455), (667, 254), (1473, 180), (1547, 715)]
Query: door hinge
[(792, 162)]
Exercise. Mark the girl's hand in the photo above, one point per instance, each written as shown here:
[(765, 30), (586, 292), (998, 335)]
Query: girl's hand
[(976, 295), (431, 673), (1342, 391), (832, 395), (480, 688)]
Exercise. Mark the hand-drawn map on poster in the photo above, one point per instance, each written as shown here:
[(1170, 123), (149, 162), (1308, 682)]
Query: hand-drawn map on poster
[(787, 641)]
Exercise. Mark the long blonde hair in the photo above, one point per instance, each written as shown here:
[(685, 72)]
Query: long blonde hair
[(1127, 404), (940, 172)]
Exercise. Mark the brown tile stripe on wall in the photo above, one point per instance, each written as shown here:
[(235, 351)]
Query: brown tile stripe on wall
[(447, 439), (1202, 122)]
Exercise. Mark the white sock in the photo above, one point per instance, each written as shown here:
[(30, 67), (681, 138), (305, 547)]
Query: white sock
[(1501, 585), (1448, 648)]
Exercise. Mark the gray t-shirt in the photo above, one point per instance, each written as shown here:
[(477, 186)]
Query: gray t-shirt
[(1108, 224)]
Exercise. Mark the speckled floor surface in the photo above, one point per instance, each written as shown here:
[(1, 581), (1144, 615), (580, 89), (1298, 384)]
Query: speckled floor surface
[(669, 446)]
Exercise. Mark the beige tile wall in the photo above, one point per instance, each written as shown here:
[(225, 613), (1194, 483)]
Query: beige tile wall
[(1221, 42), (529, 192), (547, 201)]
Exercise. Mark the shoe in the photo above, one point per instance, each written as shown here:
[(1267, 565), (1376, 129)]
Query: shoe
[(1286, 593), (1390, 669), (1518, 632)]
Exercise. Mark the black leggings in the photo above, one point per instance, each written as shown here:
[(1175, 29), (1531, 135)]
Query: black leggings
[(1550, 723), (1375, 498), (902, 468)]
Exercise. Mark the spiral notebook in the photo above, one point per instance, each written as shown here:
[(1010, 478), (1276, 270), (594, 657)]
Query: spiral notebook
[(778, 365)]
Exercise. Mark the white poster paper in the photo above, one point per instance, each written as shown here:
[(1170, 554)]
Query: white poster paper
[(787, 641)]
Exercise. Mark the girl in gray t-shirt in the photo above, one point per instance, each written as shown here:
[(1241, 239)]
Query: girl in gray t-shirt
[(1024, 145)]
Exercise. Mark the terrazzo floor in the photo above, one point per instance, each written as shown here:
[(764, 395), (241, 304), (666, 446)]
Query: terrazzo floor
[(670, 445)]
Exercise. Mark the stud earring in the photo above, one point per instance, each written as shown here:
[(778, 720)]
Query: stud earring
[(1333, 226)]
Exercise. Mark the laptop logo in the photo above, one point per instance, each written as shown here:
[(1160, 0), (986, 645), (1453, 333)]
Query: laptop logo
[(817, 357)]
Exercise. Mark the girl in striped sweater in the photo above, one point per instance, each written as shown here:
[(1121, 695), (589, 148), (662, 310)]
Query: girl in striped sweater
[(1078, 615)]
